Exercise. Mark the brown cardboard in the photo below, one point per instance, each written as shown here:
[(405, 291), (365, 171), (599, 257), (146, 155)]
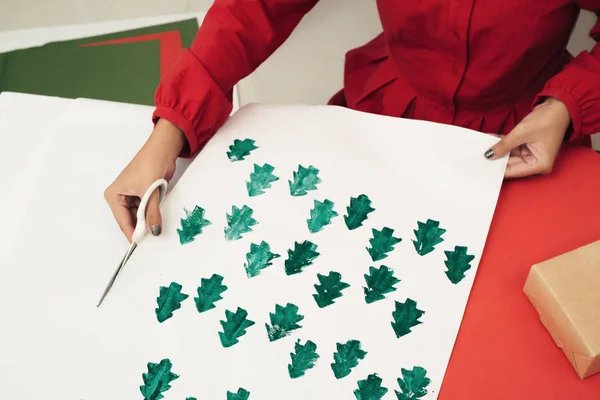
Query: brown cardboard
[(565, 291)]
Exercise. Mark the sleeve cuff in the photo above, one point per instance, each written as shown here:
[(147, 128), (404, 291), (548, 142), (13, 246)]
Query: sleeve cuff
[(182, 123), (189, 97)]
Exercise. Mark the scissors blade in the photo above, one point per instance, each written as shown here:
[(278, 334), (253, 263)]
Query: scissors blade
[(117, 271)]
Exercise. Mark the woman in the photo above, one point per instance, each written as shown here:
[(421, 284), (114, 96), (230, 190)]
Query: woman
[(497, 66)]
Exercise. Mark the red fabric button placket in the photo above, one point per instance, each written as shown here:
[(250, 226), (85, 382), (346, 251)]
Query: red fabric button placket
[(458, 23)]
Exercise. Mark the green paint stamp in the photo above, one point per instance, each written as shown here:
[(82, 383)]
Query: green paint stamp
[(321, 215), (347, 357), (300, 257), (428, 235), (258, 258), (283, 321), (209, 292), (242, 394), (239, 222), (370, 388), (358, 211), (379, 283), (192, 225), (457, 262), (169, 300), (157, 380), (304, 180), (304, 358), (405, 317), (329, 288), (240, 149), (382, 243), (234, 327), (260, 179), (413, 384)]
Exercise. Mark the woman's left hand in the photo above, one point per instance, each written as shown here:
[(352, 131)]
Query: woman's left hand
[(534, 143)]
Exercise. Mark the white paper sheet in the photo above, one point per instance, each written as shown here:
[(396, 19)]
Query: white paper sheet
[(87, 158), (110, 133), (58, 345), (27, 121), (24, 120)]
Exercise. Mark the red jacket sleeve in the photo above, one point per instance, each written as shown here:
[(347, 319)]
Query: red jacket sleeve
[(236, 36), (578, 84)]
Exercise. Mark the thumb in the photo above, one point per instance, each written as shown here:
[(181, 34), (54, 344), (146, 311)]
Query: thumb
[(153, 217), (504, 146)]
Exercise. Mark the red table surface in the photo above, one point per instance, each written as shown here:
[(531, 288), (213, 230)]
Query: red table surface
[(503, 351)]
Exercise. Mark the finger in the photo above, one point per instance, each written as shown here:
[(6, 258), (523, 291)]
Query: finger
[(133, 201), (519, 168), (153, 217), (122, 215), (170, 172), (505, 145), (514, 159), (514, 152)]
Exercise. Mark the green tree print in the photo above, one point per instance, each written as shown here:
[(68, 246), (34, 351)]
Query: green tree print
[(192, 225), (321, 215), (413, 384), (157, 380), (428, 235), (234, 327), (329, 288), (370, 388), (405, 317), (258, 258), (305, 180), (169, 300), (283, 321), (304, 358), (240, 221), (260, 179), (347, 357), (457, 262), (209, 292), (382, 243), (358, 211), (301, 257), (379, 282), (242, 394), (240, 149)]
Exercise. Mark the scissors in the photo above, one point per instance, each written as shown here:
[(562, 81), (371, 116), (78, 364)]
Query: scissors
[(140, 230)]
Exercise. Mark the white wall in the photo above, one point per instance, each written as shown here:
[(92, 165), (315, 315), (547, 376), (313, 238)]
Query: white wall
[(308, 68), (581, 41)]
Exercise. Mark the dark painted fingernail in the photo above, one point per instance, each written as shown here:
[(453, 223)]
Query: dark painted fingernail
[(489, 154), (156, 230)]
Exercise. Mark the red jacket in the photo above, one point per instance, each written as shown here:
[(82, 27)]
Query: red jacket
[(479, 64)]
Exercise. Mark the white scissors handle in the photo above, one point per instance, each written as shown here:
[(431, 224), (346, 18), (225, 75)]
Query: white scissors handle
[(140, 228)]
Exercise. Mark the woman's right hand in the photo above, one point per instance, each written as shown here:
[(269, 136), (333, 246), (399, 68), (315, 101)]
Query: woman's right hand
[(155, 160)]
